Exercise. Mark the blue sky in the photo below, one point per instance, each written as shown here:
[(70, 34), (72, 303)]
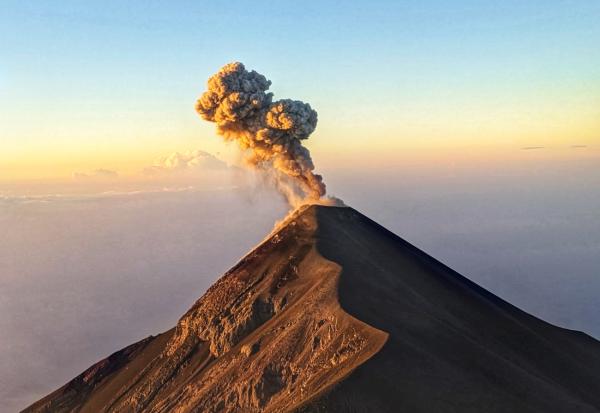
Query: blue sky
[(99, 80)]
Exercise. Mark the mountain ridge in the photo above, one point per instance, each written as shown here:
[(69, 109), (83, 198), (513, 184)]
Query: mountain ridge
[(333, 312)]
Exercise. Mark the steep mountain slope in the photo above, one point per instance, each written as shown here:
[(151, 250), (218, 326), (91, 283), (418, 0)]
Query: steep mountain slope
[(333, 313)]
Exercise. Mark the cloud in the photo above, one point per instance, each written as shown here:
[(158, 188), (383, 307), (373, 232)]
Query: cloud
[(95, 196), (96, 174), (529, 148), (186, 162)]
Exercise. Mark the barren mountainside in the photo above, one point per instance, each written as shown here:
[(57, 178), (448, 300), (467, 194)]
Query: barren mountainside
[(333, 313)]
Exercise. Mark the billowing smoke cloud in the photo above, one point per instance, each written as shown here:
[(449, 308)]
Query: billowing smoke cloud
[(270, 133)]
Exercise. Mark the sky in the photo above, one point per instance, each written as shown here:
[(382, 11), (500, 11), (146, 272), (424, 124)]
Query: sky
[(88, 85), (469, 128)]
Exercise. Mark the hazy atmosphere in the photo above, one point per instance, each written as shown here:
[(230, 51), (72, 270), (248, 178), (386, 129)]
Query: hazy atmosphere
[(131, 263), (472, 131)]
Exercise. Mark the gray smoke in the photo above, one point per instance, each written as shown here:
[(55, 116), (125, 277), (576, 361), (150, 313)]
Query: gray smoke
[(270, 133)]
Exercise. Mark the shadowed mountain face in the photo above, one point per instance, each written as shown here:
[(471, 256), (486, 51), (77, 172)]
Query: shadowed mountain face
[(333, 313)]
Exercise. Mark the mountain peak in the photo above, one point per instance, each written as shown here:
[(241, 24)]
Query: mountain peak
[(332, 312)]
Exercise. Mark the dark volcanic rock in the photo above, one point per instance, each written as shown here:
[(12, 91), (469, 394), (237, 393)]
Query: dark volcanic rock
[(333, 313)]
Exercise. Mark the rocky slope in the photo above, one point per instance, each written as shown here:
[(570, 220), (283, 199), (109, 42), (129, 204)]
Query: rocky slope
[(333, 313)]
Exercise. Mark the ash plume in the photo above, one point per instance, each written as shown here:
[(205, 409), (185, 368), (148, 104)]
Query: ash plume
[(269, 132)]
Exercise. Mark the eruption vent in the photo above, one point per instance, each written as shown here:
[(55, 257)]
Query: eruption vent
[(270, 133)]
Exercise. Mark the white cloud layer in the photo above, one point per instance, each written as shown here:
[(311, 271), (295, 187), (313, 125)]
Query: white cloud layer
[(84, 275), (187, 162), (96, 174)]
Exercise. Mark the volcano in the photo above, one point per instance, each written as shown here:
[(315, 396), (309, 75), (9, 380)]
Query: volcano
[(333, 313)]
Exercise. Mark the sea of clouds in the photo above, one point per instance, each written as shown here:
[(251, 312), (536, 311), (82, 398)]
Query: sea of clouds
[(85, 274)]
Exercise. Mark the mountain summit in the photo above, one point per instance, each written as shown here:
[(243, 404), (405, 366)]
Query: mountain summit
[(333, 313)]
